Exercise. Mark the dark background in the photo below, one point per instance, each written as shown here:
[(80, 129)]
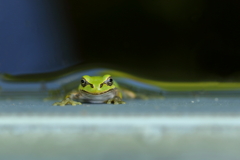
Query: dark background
[(170, 40)]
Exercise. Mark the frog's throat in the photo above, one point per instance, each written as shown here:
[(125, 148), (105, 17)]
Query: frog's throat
[(97, 93)]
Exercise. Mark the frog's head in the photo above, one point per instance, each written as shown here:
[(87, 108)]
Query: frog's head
[(97, 84)]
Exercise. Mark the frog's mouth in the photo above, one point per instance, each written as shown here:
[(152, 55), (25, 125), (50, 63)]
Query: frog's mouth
[(97, 93)]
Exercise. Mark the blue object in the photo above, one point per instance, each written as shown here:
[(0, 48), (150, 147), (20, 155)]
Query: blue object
[(35, 37)]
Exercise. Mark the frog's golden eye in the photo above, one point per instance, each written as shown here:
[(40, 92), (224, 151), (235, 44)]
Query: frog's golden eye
[(109, 81), (83, 82)]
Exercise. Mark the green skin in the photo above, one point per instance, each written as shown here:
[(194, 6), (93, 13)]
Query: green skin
[(95, 89)]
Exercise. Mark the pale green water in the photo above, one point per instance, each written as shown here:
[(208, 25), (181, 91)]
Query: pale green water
[(127, 146), (173, 128)]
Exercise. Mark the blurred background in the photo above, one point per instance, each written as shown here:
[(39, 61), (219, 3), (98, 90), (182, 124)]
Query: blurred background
[(176, 40)]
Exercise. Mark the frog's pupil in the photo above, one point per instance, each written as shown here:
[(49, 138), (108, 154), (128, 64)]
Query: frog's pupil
[(82, 81), (109, 81)]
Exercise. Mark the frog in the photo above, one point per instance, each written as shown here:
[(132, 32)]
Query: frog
[(94, 89)]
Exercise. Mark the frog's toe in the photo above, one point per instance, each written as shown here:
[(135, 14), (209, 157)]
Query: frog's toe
[(67, 101), (122, 102), (75, 103), (119, 102), (57, 104), (115, 100), (109, 101)]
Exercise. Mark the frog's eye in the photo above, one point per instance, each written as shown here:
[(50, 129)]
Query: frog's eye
[(109, 81), (83, 82)]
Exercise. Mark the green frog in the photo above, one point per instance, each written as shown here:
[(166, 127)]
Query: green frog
[(95, 89)]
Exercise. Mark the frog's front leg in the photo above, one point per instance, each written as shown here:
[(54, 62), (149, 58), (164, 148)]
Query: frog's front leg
[(115, 100), (69, 99)]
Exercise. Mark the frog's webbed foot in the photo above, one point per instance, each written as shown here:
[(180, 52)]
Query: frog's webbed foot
[(67, 101), (115, 100)]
